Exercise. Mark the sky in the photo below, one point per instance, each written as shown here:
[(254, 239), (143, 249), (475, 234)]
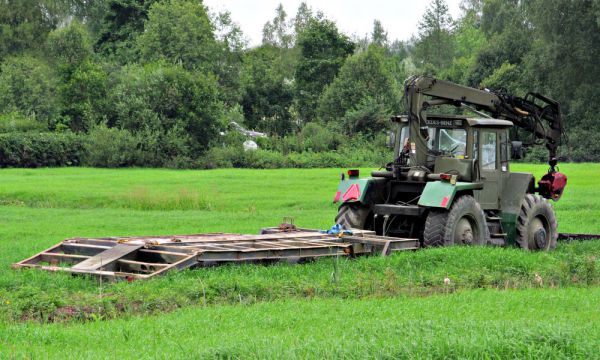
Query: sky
[(353, 17)]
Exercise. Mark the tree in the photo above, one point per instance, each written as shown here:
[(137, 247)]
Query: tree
[(363, 95), (562, 63), (82, 90), (231, 42), (122, 22), (161, 97), (508, 38), (303, 17), (277, 31), (323, 50), (469, 39), (434, 46), (267, 95), (83, 95), (70, 45), (179, 32), (24, 25), (379, 36), (28, 86)]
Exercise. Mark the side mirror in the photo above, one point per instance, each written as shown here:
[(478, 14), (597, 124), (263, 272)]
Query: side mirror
[(517, 150), (391, 140)]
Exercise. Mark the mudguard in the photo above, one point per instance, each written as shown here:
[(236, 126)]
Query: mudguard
[(354, 190), (440, 194)]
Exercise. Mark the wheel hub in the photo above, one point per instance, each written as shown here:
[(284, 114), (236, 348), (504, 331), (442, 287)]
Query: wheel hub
[(464, 232), (540, 238), (538, 234)]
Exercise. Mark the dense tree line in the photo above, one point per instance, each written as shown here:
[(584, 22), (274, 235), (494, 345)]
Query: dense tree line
[(157, 82)]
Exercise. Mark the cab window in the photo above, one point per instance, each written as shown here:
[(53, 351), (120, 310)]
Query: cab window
[(488, 150), (504, 150), (476, 144), (449, 142)]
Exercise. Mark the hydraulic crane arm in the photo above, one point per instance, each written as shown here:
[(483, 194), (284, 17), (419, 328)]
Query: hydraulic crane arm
[(534, 113)]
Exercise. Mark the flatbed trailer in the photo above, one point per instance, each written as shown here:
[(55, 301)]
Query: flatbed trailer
[(147, 256), (143, 257)]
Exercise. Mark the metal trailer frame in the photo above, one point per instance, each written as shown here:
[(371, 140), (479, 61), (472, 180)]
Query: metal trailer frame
[(147, 256)]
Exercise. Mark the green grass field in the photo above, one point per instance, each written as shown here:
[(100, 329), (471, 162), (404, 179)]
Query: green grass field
[(370, 307)]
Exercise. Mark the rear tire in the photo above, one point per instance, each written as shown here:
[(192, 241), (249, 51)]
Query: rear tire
[(354, 216), (536, 224), (463, 224)]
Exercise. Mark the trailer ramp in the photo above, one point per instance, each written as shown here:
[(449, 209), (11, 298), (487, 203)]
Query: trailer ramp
[(144, 257)]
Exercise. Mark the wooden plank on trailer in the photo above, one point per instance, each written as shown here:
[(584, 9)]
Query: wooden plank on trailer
[(188, 261), (81, 249), (62, 258), (138, 266), (35, 258), (152, 255), (106, 257)]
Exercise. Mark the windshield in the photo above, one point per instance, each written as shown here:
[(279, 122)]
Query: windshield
[(450, 142)]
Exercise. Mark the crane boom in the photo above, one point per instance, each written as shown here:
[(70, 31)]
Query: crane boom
[(535, 113)]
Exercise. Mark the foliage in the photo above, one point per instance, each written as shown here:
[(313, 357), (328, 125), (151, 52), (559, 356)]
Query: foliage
[(231, 42), (435, 45), (122, 22), (276, 32), (69, 46), (162, 69), (40, 149), (27, 86), (363, 95), (16, 122), (24, 24), (180, 32), (323, 50), (162, 97), (267, 96), (112, 147)]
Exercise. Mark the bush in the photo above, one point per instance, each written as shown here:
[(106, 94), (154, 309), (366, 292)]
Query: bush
[(40, 149), (315, 137), (111, 147), (15, 122), (164, 97), (236, 157)]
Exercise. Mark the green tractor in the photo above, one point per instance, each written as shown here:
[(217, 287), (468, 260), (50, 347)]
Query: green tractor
[(450, 180)]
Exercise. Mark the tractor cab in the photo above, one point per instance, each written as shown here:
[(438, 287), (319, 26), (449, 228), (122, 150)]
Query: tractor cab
[(473, 149)]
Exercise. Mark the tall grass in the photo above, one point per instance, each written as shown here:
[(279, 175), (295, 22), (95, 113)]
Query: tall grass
[(142, 198)]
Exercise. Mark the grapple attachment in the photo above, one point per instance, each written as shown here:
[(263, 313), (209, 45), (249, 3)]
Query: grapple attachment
[(552, 185)]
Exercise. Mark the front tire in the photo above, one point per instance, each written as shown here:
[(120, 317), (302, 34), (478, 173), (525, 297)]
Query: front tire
[(463, 224), (354, 216), (536, 224)]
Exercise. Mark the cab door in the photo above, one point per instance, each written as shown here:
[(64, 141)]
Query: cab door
[(489, 165)]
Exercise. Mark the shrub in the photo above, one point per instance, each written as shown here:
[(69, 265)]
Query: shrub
[(16, 122), (40, 149), (111, 147), (162, 97), (236, 157), (317, 138)]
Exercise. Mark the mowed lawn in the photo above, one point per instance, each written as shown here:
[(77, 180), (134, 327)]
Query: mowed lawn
[(371, 307)]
